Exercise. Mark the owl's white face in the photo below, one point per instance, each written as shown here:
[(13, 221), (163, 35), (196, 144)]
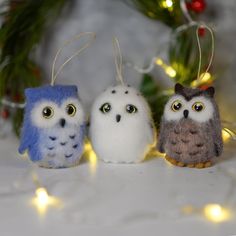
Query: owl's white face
[(199, 109), (118, 106), (48, 114)]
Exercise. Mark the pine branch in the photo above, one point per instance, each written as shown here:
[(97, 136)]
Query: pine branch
[(20, 34)]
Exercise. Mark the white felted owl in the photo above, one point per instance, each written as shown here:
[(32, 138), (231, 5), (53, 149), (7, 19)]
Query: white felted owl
[(121, 126)]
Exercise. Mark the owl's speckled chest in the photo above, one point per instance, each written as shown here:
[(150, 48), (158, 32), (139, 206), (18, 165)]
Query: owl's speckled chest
[(61, 147), (189, 142)]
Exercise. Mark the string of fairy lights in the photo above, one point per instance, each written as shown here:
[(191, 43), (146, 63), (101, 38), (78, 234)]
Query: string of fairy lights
[(214, 212)]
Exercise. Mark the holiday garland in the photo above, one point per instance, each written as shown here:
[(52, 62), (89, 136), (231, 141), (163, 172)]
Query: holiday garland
[(24, 25)]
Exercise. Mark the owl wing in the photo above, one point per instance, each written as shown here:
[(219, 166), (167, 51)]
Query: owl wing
[(162, 137), (217, 136), (24, 142), (28, 137), (151, 133), (82, 133)]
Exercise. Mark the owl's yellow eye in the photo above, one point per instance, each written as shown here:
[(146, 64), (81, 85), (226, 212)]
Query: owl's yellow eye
[(176, 105), (105, 108), (47, 112), (131, 108), (198, 106), (70, 109)]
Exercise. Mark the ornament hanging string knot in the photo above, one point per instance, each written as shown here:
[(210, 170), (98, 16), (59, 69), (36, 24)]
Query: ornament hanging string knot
[(54, 74)]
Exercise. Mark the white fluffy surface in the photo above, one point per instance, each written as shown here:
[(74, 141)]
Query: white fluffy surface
[(202, 116), (128, 140)]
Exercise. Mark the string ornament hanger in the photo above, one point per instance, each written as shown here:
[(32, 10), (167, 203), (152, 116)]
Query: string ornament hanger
[(118, 61), (200, 26), (54, 73)]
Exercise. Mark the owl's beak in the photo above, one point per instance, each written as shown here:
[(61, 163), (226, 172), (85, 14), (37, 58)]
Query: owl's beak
[(118, 117), (62, 122), (186, 113)]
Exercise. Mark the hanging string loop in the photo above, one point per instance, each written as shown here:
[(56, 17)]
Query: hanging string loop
[(55, 74)]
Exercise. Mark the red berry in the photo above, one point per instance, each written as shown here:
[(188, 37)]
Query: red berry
[(5, 114), (197, 6), (201, 31)]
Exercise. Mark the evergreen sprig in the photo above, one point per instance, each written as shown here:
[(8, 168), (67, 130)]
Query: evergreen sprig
[(21, 32), (155, 9)]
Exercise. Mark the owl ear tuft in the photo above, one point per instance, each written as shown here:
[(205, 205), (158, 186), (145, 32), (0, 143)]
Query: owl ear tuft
[(178, 88), (210, 91)]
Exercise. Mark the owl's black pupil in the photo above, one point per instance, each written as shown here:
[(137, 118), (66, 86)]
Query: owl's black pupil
[(70, 110), (106, 107), (198, 107), (177, 106), (47, 112), (131, 109)]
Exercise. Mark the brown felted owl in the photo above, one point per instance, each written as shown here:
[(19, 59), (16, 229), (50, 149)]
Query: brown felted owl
[(190, 132)]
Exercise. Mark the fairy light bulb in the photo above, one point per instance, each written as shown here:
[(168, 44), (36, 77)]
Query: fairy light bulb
[(42, 201), (92, 162), (227, 134), (167, 4), (42, 196), (168, 69), (216, 213), (204, 78), (91, 157)]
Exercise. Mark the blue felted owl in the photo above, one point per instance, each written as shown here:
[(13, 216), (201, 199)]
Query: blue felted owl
[(54, 126)]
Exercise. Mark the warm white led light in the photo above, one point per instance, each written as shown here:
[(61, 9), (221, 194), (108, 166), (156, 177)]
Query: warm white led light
[(216, 213)]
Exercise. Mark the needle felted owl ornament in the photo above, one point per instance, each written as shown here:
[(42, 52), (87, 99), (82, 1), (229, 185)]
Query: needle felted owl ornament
[(190, 132), (54, 126), (121, 126), (54, 123)]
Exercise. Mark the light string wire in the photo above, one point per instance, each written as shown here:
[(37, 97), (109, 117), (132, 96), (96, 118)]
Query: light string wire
[(8, 103), (118, 60), (199, 77), (54, 74)]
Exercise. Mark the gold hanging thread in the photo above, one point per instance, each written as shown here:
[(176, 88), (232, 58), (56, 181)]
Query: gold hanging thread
[(54, 74), (118, 60)]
